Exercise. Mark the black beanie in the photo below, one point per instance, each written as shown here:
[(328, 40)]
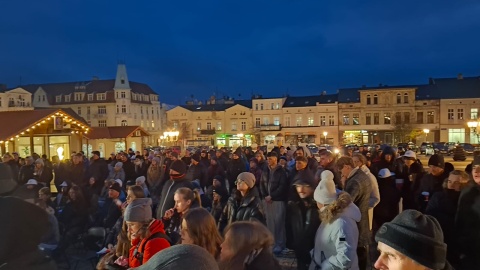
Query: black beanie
[(437, 160), (179, 166), (417, 236), (196, 157)]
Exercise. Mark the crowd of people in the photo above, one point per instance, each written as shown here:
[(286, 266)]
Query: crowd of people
[(243, 208)]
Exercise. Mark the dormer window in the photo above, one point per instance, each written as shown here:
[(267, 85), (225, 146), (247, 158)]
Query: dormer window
[(67, 98), (122, 80), (102, 96), (58, 99), (90, 97)]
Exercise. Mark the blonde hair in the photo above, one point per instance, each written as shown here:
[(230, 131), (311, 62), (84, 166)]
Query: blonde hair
[(248, 236), (331, 211), (188, 194)]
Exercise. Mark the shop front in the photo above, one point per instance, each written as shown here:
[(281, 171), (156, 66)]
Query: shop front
[(53, 132), (107, 140)]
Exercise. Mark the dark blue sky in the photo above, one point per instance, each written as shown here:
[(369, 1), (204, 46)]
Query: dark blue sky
[(191, 47)]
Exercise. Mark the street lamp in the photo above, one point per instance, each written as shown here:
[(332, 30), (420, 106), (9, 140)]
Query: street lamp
[(426, 133), (473, 125), (325, 135)]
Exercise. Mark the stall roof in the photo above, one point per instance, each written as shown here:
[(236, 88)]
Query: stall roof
[(115, 132)]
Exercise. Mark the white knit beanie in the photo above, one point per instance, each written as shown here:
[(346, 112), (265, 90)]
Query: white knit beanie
[(325, 193)]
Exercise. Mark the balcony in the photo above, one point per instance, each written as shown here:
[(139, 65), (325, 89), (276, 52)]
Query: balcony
[(207, 131), (100, 115), (270, 127)]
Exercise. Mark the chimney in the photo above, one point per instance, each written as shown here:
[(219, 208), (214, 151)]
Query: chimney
[(95, 78), (459, 76)]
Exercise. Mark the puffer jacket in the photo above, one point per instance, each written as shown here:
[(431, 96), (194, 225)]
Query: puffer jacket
[(242, 209), (359, 187), (304, 221), (274, 183), (150, 246), (336, 242)]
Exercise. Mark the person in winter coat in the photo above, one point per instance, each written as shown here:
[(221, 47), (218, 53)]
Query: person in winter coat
[(21, 234), (312, 163), (141, 166), (443, 207), (357, 184), (10, 162), (412, 175), (432, 182), (303, 221), (387, 209), (244, 203), (185, 199), (147, 234), (412, 241), (74, 216), (197, 171), (337, 237), (42, 173), (220, 198), (117, 172), (255, 170), (98, 168), (26, 171), (300, 172), (467, 220), (177, 180), (247, 247), (154, 173), (235, 167), (274, 190), (213, 170), (327, 162), (387, 160)]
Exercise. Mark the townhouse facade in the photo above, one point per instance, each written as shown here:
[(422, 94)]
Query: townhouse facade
[(16, 99), (105, 103)]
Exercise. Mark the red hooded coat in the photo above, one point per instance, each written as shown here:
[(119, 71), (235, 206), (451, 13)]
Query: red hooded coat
[(151, 247)]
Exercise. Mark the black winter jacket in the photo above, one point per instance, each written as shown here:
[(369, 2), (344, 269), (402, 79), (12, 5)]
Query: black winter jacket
[(274, 183), (304, 222), (242, 209)]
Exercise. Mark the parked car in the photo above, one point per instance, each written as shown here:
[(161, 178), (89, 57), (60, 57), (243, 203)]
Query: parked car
[(424, 146), (469, 148), (439, 147), (450, 146), (429, 150)]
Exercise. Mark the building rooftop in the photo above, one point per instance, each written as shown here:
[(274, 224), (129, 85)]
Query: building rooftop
[(310, 100)]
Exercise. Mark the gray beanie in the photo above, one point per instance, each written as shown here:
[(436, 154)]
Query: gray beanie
[(182, 256), (139, 210), (119, 164), (248, 178), (417, 236)]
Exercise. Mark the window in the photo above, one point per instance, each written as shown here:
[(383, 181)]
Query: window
[(376, 118), (386, 118), (124, 108), (310, 120), (88, 110), (79, 110), (124, 123), (234, 126), (323, 120), (375, 99), (331, 120), (118, 108), (460, 114), (277, 106), (90, 97), (399, 98), (346, 119), (102, 96), (299, 121), (134, 96), (102, 123), (219, 125), (257, 122), (102, 110), (256, 107), (266, 121), (175, 125), (244, 125), (287, 121), (450, 114), (199, 126), (122, 94), (276, 121), (261, 106), (355, 119), (430, 117), (67, 98), (58, 99), (153, 124), (141, 110), (369, 101), (209, 125), (406, 117), (405, 98), (474, 113), (43, 97), (78, 96), (271, 106), (368, 118), (419, 117), (39, 98), (398, 117)]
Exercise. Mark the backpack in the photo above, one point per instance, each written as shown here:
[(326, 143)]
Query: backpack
[(139, 255)]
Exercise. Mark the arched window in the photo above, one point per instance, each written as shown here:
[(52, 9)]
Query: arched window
[(375, 99), (405, 98), (368, 100), (124, 123), (399, 98)]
